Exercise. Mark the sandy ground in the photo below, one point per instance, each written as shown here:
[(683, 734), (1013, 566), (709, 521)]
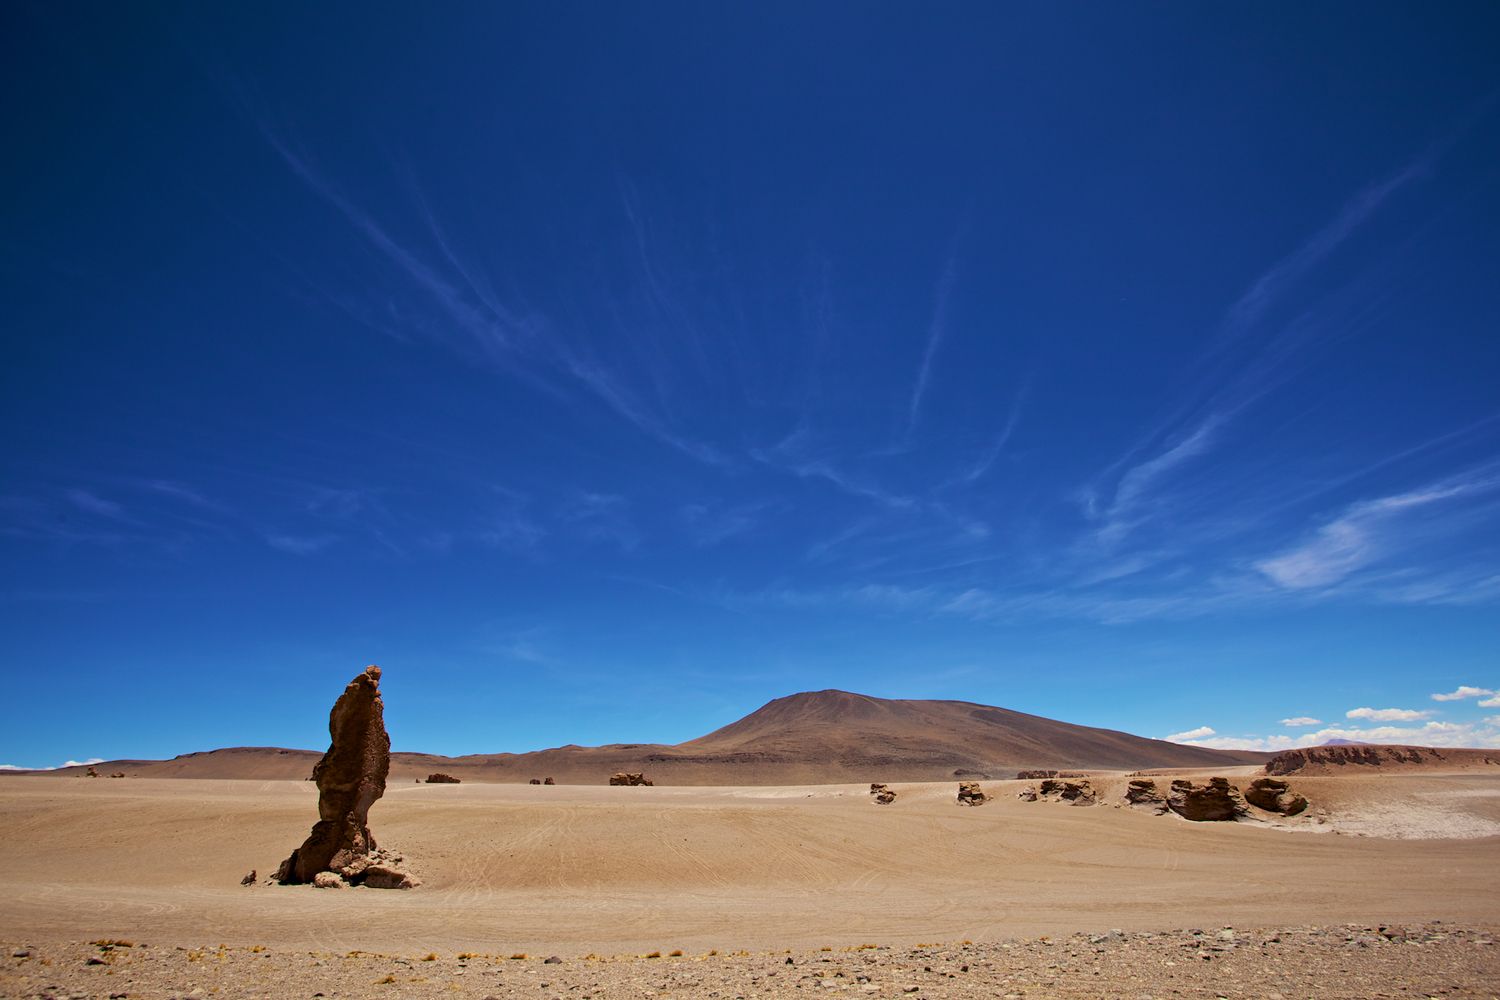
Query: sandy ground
[(574, 870)]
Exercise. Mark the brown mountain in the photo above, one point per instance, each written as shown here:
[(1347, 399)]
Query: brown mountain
[(809, 738)]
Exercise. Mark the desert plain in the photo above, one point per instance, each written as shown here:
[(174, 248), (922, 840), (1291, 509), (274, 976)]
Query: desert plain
[(722, 885)]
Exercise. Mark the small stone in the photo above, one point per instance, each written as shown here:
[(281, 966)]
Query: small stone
[(552, 960), (20, 953)]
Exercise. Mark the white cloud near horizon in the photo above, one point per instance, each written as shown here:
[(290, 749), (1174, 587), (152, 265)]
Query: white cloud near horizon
[(1482, 735), (1386, 714), (1490, 702), (1302, 720), (1191, 734), (54, 767), (1463, 691)]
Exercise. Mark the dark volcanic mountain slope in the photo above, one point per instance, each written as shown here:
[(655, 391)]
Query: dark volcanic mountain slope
[(853, 730), (810, 738)]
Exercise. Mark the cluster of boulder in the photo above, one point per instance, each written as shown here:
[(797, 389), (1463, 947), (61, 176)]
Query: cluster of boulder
[(970, 794), (882, 795), (549, 781), (1216, 800), (439, 778), (1078, 793), (626, 778), (351, 776)]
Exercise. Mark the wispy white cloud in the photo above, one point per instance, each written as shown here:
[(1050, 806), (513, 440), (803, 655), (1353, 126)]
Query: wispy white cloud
[(1386, 714), (997, 448), (1490, 702), (602, 517), (1126, 509), (711, 525), (300, 545), (936, 330), (1268, 290), (1464, 691), (504, 337), (93, 504), (1192, 734), (1365, 532), (1302, 720)]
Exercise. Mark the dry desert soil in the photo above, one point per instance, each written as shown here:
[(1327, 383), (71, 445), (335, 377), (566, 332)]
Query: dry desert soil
[(1012, 898)]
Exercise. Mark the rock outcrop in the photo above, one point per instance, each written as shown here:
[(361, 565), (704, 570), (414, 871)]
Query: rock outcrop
[(535, 781), (1034, 775), (1078, 793), (1214, 802), (1274, 795), (970, 794), (548, 781), (93, 773), (1143, 792), (882, 795), (439, 778), (1027, 794), (629, 778), (351, 777)]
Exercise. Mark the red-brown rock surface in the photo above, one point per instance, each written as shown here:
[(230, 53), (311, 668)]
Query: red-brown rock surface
[(1216, 801), (351, 777), (1275, 796)]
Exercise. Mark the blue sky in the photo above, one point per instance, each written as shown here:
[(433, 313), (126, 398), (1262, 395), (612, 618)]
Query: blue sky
[(603, 372)]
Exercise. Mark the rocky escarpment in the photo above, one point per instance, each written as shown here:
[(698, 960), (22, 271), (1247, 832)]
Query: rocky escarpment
[(1329, 760), (351, 777)]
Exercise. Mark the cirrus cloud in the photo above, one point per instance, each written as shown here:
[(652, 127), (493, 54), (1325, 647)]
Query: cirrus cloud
[(1302, 720)]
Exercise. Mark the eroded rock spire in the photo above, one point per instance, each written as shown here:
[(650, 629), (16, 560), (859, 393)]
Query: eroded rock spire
[(350, 777)]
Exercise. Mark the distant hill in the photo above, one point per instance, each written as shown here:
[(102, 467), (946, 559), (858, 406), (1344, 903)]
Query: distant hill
[(809, 738)]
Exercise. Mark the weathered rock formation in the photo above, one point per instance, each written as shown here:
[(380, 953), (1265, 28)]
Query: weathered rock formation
[(351, 777), (439, 778), (1274, 795), (882, 795), (249, 878), (1143, 792), (548, 781), (1034, 775), (1027, 794), (970, 794), (535, 781), (629, 778), (1078, 793), (1215, 802), (93, 773)]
